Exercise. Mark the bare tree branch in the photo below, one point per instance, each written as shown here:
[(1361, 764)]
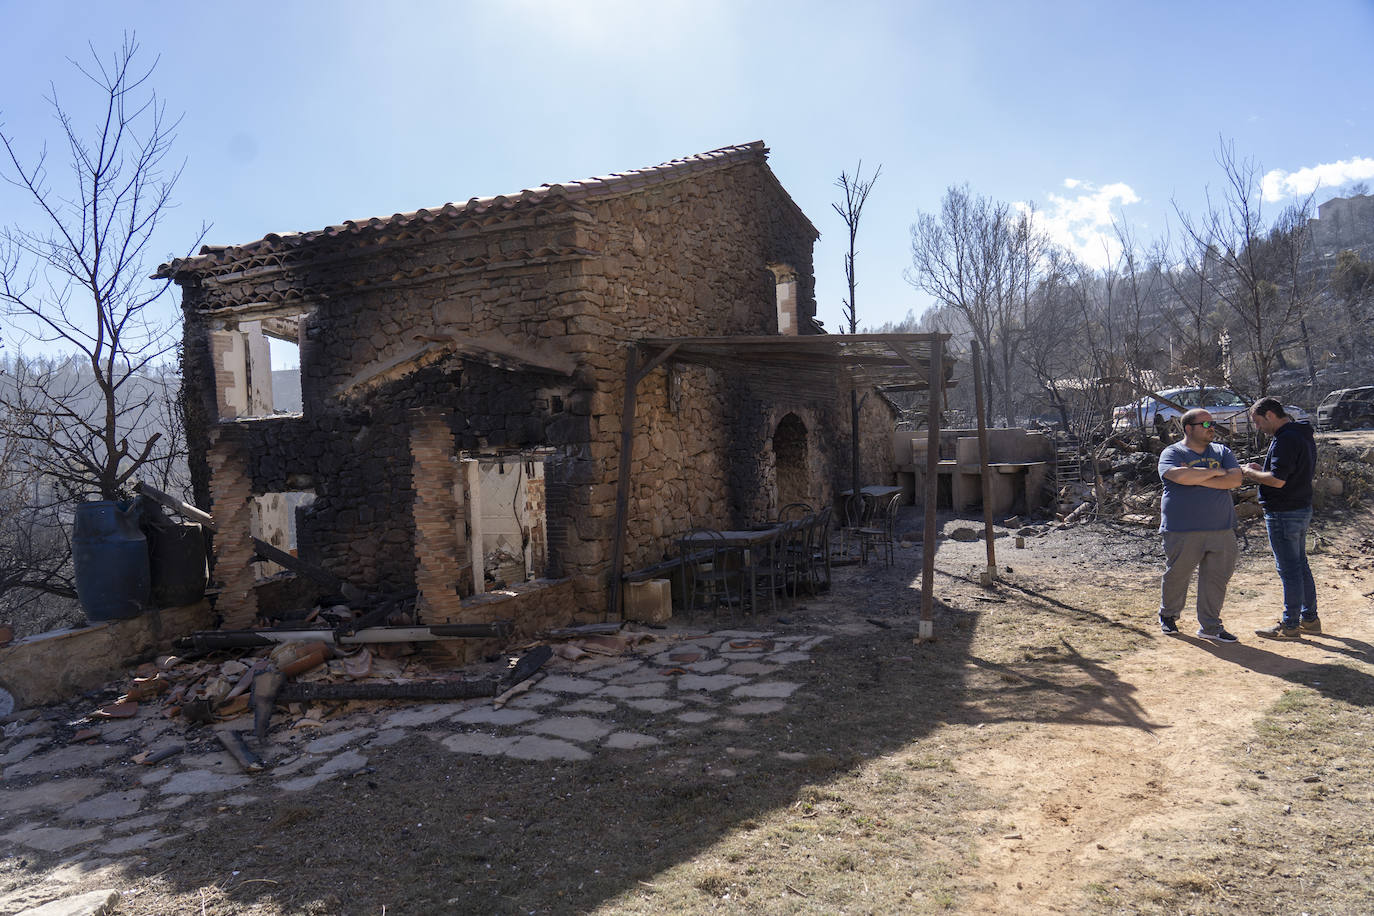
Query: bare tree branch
[(77, 276)]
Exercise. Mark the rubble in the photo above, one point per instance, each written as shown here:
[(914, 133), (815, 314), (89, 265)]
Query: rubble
[(218, 683)]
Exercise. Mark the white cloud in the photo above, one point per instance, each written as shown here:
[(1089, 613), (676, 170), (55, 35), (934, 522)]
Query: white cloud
[(1278, 184), (1083, 223)]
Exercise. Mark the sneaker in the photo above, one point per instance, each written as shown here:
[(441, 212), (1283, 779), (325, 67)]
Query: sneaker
[(1310, 626), (1219, 636), (1279, 631), (1168, 626)]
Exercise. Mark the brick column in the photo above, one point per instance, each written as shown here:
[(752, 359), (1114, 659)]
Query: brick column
[(440, 544), (231, 492)]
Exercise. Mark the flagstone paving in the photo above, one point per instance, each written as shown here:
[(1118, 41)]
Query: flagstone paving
[(59, 798)]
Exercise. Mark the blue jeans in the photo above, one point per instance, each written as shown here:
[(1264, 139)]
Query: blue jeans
[(1288, 540)]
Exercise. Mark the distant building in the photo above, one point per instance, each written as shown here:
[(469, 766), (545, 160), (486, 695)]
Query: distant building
[(1344, 223)]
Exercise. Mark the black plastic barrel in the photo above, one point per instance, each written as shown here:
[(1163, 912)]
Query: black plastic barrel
[(110, 556), (176, 554)]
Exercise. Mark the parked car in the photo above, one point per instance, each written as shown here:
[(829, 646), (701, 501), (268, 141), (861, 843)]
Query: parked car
[(1226, 407), (1347, 408)]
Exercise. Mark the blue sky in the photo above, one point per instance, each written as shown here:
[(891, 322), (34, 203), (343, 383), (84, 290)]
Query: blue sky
[(303, 114)]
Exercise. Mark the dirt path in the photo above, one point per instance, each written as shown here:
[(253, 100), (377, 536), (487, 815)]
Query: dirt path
[(1083, 794)]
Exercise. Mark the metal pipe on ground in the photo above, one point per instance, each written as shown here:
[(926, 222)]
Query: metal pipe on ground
[(212, 640)]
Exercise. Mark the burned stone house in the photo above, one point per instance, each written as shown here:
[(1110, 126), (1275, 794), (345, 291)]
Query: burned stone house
[(463, 375)]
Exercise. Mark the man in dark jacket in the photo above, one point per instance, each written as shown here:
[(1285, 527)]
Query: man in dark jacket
[(1285, 492)]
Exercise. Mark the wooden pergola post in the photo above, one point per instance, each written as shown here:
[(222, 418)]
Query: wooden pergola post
[(622, 486), (925, 629), (984, 469), (634, 374)]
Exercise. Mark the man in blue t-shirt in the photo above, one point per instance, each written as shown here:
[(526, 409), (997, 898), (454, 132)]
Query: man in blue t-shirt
[(1197, 520), (1285, 492)]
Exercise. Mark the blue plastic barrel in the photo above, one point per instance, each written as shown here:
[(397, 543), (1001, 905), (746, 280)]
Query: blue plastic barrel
[(110, 556)]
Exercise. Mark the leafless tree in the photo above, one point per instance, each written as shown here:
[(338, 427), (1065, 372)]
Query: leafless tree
[(1018, 272), (76, 278), (1050, 346), (35, 550), (982, 259), (953, 257), (1194, 323), (1258, 277), (850, 209)]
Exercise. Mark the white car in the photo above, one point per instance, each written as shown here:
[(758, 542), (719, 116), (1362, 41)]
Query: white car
[(1225, 406)]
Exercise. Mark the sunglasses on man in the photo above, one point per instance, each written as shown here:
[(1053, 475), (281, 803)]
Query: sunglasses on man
[(1205, 424)]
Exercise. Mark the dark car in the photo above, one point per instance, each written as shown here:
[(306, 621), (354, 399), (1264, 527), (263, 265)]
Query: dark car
[(1347, 408)]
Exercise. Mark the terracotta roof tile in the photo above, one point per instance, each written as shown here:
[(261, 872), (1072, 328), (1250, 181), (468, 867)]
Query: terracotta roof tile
[(212, 256)]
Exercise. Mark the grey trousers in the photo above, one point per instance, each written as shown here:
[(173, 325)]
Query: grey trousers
[(1213, 555)]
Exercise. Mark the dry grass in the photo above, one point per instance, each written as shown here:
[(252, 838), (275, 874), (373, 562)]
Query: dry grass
[(1299, 838)]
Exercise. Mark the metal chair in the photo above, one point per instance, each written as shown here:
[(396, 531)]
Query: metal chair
[(858, 528), (883, 527), (766, 565), (793, 512), (706, 571), (818, 570), (796, 549)]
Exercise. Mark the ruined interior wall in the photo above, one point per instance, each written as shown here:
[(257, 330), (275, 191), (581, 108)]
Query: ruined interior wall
[(441, 559), (360, 470)]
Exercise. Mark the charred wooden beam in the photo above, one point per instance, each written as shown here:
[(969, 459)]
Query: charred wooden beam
[(428, 690), (323, 576), (213, 640)]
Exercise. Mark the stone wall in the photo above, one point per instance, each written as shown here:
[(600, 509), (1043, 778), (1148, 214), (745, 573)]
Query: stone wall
[(52, 666)]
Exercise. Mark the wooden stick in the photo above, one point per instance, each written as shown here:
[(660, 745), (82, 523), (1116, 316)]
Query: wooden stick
[(184, 509)]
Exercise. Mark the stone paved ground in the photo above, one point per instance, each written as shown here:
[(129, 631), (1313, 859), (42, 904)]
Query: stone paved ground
[(84, 800)]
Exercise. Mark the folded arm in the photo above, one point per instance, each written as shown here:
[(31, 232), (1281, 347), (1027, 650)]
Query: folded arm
[(1215, 478)]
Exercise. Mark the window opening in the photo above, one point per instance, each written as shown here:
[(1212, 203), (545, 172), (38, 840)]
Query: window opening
[(509, 540), (286, 375), (257, 367), (273, 519)]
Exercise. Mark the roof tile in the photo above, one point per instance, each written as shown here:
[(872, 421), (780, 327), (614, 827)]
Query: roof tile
[(212, 256)]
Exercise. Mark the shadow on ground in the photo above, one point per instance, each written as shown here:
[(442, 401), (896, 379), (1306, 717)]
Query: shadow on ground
[(425, 830)]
